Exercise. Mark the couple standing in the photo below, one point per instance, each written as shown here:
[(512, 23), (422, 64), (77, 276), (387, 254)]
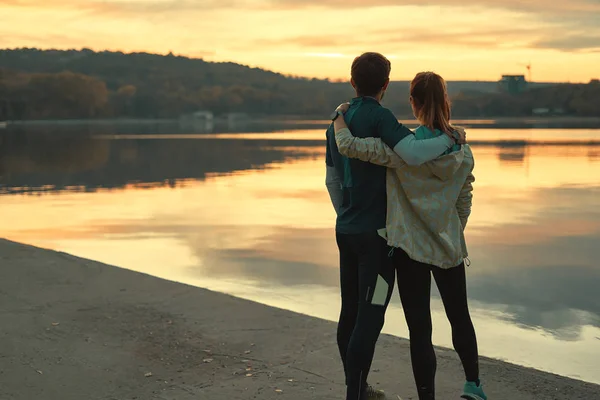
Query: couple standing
[(402, 201)]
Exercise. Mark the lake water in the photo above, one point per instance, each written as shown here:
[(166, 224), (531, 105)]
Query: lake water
[(248, 214)]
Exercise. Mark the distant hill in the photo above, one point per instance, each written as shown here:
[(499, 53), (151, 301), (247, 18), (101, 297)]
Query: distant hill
[(455, 87), (149, 85), (47, 84), (117, 69)]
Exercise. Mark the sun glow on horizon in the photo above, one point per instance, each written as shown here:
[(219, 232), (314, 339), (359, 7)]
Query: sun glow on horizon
[(484, 41)]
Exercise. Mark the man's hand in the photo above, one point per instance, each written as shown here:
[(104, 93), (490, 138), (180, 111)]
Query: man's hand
[(343, 107), (460, 135)]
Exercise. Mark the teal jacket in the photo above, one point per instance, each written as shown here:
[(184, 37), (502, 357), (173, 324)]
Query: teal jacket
[(428, 206), (422, 132)]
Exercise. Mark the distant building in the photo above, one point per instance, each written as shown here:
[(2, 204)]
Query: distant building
[(543, 111), (540, 111), (203, 116), (233, 118), (199, 121), (513, 84)]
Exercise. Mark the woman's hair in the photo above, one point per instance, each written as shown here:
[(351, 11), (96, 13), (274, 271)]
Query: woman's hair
[(430, 99)]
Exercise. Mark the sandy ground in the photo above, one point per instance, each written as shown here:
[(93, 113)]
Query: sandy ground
[(77, 329)]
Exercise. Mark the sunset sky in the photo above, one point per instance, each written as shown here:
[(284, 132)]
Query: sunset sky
[(478, 41)]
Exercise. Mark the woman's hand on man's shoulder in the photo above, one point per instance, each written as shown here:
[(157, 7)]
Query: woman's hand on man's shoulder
[(343, 107), (460, 135)]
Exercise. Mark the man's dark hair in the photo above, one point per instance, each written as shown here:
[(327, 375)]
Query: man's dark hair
[(370, 71)]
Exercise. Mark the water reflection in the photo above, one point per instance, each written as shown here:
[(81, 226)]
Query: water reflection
[(250, 216), (511, 154), (55, 160)]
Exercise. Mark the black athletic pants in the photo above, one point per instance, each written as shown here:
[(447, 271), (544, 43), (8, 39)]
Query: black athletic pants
[(414, 284), (367, 281)]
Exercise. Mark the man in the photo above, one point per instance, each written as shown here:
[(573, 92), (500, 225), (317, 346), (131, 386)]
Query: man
[(358, 193)]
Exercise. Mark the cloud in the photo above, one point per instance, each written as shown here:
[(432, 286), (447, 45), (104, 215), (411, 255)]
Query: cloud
[(463, 37), (526, 293), (125, 8), (310, 41), (409, 38), (543, 37), (580, 41), (7, 37), (41, 4), (233, 29), (537, 6), (558, 11)]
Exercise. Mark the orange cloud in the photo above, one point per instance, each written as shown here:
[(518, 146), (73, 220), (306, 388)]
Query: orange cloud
[(484, 40), (537, 6), (575, 41), (397, 39)]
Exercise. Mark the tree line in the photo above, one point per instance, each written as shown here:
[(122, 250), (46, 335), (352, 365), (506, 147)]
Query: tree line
[(53, 84)]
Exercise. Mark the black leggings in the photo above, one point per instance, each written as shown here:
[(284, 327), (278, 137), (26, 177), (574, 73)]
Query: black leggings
[(367, 281), (414, 284)]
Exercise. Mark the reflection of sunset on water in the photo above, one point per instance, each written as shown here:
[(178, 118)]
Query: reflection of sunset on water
[(259, 224), (474, 134)]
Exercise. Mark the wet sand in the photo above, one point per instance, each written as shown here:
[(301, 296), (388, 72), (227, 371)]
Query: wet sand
[(77, 329)]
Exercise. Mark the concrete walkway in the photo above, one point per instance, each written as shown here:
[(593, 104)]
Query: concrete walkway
[(74, 329)]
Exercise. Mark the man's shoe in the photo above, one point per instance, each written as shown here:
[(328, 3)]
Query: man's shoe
[(375, 394), (472, 391)]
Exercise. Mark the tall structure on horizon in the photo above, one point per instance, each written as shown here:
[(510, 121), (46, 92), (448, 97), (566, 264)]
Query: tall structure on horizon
[(513, 84), (528, 66)]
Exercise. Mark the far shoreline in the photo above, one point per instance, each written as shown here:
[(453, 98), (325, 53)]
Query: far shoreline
[(305, 122)]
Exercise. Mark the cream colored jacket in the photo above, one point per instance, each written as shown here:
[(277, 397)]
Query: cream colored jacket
[(427, 206)]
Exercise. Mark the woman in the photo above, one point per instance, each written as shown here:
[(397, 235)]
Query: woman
[(428, 208)]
